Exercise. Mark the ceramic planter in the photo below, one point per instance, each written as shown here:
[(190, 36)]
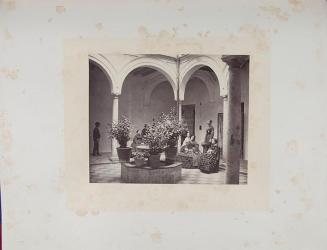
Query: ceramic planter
[(124, 154), (139, 162), (154, 160), (170, 154)]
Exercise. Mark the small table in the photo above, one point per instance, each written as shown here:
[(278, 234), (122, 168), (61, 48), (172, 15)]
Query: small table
[(165, 174)]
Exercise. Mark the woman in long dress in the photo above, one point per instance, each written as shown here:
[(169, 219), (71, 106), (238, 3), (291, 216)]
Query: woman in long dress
[(210, 132), (209, 161)]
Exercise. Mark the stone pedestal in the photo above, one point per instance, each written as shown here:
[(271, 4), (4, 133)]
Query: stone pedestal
[(165, 174)]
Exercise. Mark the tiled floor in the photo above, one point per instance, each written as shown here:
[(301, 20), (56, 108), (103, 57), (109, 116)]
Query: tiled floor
[(102, 170)]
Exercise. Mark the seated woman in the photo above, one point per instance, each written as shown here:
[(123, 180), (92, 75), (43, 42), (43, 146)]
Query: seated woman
[(191, 146), (209, 161), (187, 139), (189, 154)]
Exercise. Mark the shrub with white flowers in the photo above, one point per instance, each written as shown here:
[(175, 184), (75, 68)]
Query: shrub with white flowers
[(121, 131), (164, 132), (174, 127)]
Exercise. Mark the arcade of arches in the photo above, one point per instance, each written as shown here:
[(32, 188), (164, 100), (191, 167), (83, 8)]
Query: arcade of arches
[(200, 87)]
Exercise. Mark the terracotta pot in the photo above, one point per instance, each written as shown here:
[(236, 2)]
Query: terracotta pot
[(124, 154), (139, 162), (154, 161), (170, 154)]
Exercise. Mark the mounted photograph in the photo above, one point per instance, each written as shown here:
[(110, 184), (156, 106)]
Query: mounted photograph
[(162, 119)]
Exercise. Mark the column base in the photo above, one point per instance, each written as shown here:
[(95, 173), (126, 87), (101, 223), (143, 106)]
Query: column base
[(114, 159)]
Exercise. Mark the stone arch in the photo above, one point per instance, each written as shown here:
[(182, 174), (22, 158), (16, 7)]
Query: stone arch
[(210, 82), (194, 63), (107, 69), (146, 61)]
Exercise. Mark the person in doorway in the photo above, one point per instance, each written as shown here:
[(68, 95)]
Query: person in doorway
[(96, 139), (210, 132)]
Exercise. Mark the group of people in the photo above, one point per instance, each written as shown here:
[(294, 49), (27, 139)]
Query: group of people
[(208, 161)]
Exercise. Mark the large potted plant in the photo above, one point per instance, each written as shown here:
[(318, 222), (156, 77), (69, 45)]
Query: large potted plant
[(120, 130), (156, 139), (174, 128)]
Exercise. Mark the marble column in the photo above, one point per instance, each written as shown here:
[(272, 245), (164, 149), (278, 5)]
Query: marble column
[(233, 153), (114, 142)]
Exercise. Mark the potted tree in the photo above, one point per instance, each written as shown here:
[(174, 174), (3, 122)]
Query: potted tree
[(156, 139), (120, 130), (174, 128)]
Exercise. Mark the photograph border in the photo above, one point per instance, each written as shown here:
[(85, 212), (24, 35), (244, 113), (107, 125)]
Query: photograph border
[(84, 197)]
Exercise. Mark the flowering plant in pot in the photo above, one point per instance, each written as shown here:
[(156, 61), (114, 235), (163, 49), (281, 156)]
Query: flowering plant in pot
[(174, 128), (139, 158), (120, 130), (156, 139)]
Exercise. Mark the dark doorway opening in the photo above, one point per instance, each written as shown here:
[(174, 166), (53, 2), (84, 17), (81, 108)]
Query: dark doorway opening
[(188, 115)]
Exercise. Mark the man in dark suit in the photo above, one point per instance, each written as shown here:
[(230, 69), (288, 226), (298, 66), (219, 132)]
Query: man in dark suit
[(96, 139)]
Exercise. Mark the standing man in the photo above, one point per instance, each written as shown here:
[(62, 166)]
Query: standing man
[(96, 139)]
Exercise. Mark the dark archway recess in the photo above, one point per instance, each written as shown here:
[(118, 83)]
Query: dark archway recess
[(100, 105)]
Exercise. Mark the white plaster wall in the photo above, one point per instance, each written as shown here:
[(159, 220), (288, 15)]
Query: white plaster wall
[(131, 101), (100, 103), (162, 99)]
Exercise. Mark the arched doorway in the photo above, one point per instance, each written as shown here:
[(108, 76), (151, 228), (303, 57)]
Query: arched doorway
[(145, 93), (202, 97)]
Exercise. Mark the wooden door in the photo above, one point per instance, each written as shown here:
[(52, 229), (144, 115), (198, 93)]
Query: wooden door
[(188, 114)]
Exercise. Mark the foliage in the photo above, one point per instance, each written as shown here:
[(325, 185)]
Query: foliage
[(139, 155), (156, 138), (120, 130), (174, 127), (164, 132)]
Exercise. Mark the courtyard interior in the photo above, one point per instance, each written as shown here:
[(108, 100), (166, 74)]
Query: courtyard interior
[(103, 170)]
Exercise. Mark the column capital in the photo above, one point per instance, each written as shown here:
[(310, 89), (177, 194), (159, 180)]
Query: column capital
[(235, 61), (115, 95), (225, 97)]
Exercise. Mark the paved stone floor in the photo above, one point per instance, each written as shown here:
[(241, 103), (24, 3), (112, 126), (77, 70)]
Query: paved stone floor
[(102, 170)]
